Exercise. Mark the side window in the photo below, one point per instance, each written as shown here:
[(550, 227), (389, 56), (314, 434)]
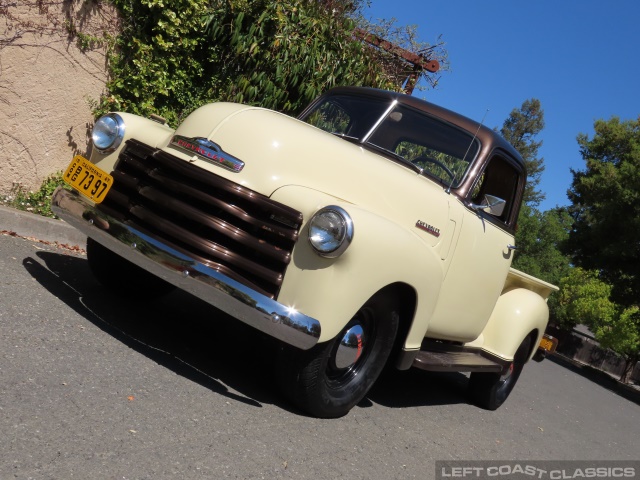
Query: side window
[(500, 179)]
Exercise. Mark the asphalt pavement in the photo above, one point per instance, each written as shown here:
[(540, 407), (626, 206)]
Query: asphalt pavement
[(93, 386), (55, 231)]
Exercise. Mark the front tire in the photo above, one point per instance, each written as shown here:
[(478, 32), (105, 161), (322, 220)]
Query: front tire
[(123, 277), (331, 378), (490, 390)]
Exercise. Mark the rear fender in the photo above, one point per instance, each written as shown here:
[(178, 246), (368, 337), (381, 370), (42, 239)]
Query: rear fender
[(517, 314)]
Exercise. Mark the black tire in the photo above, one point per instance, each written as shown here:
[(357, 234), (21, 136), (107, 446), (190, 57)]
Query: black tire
[(123, 277), (313, 380), (490, 390), (540, 355)]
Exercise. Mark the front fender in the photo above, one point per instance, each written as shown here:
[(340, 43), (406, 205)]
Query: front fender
[(147, 131), (381, 253), (517, 313)]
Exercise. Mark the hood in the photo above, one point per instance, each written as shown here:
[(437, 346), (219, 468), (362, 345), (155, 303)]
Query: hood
[(279, 150)]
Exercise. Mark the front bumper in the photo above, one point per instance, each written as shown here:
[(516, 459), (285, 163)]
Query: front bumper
[(239, 301)]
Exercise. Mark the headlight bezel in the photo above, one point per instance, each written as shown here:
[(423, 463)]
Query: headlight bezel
[(115, 138), (341, 240)]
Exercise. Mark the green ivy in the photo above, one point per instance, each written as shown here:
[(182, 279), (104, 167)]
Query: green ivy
[(161, 62), (172, 57)]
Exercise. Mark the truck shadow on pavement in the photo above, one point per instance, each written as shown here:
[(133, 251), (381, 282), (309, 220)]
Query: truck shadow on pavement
[(198, 342), (418, 388)]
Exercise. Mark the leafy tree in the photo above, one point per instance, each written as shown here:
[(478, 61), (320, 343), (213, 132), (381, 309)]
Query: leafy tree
[(540, 237), (622, 335), (606, 207), (584, 299), (520, 129), (283, 54)]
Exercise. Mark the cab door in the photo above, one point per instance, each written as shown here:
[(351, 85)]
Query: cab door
[(482, 254)]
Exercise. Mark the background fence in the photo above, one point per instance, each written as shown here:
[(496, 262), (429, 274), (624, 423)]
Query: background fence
[(581, 346)]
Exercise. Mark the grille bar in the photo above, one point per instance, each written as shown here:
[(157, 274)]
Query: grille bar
[(242, 233), (181, 208)]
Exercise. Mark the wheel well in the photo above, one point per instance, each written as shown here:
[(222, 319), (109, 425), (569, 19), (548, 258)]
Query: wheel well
[(407, 300), (533, 334)]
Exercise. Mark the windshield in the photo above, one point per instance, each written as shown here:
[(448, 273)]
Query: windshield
[(435, 147)]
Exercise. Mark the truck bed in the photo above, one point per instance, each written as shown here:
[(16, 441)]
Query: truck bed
[(518, 279)]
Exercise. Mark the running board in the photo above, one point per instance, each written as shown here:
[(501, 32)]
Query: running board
[(457, 360)]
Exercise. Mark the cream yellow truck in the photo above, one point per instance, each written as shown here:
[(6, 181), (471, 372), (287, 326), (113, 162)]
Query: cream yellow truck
[(374, 229)]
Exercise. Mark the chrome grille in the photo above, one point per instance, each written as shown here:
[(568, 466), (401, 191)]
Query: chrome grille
[(243, 234)]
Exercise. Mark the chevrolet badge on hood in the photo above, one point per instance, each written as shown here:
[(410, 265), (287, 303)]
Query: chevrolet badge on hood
[(209, 151)]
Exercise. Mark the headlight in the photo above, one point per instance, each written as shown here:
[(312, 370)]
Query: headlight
[(108, 132), (330, 231)]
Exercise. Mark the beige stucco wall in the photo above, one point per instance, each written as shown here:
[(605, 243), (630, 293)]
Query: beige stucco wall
[(47, 84)]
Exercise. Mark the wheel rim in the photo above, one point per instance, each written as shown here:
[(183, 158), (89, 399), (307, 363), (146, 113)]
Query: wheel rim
[(351, 347), (350, 354), (507, 381)]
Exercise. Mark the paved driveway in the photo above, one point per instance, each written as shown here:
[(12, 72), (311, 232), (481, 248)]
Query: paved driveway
[(94, 387)]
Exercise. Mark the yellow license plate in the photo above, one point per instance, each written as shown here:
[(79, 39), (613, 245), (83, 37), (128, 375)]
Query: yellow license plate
[(547, 345), (89, 180)]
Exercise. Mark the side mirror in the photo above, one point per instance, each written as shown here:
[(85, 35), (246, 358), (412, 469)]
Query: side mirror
[(491, 205)]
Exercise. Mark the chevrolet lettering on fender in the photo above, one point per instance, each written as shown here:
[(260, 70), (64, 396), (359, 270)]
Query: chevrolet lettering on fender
[(314, 233), (428, 228)]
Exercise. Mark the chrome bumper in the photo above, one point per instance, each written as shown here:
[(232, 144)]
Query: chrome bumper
[(243, 303)]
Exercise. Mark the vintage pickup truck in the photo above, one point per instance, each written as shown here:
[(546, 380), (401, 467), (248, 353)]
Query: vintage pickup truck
[(374, 229)]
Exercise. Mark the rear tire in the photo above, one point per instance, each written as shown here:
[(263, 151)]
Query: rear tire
[(123, 277), (331, 378), (490, 390)]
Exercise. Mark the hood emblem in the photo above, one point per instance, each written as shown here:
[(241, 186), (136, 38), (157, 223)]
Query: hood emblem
[(209, 151), (428, 228)]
